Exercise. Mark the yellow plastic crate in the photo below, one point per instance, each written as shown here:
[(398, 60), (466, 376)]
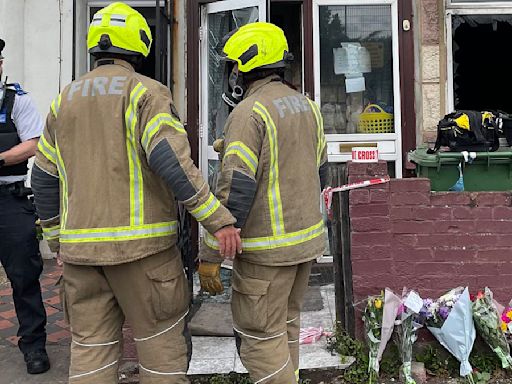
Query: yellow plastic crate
[(375, 120)]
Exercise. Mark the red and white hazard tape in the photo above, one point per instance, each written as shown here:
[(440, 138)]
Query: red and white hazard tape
[(328, 192)]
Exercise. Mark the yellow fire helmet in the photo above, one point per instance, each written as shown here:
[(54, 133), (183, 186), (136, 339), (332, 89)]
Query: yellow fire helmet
[(118, 28), (257, 45)]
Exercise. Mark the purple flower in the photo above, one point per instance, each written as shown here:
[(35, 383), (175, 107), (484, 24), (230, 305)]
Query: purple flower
[(444, 312)]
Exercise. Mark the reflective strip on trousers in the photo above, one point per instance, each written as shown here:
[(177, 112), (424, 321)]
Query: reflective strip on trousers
[(93, 371), (47, 150), (274, 373), (139, 339), (161, 373), (273, 242), (274, 193), (207, 209), (320, 131), (244, 153), (135, 167), (118, 233), (154, 125)]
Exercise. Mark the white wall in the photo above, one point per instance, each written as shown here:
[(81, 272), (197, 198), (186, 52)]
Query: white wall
[(38, 53), (12, 31)]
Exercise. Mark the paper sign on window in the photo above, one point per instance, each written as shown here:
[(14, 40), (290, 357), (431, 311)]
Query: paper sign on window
[(351, 58)]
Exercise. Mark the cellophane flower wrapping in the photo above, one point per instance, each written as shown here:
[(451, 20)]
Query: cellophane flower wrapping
[(407, 324), (372, 318), (506, 322), (378, 317), (450, 320), (488, 323)]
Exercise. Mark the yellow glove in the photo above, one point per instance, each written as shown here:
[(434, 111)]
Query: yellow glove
[(209, 276)]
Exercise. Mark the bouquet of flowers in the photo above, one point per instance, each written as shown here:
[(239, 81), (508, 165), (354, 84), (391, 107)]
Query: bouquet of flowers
[(407, 324), (490, 326), (450, 320), (378, 317), (506, 323)]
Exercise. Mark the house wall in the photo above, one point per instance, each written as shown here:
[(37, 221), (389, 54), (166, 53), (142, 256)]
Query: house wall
[(38, 52), (405, 235), (430, 102)]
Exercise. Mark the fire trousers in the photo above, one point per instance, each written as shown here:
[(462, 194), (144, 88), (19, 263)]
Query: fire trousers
[(152, 294), (266, 307)]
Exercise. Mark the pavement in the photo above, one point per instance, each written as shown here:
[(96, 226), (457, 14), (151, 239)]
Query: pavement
[(211, 354)]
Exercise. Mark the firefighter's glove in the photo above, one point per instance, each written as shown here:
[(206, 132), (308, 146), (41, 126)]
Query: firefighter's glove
[(209, 276)]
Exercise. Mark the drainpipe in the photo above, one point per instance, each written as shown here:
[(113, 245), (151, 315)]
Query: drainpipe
[(158, 53), (73, 60)]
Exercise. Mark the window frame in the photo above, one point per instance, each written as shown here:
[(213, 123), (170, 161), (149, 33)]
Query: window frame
[(385, 138), (450, 92)]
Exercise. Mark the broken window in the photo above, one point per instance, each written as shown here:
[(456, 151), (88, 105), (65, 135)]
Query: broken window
[(482, 76)]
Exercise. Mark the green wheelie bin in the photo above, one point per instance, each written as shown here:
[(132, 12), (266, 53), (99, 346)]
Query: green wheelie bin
[(488, 171)]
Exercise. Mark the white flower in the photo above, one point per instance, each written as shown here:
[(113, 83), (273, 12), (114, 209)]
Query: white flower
[(447, 297)]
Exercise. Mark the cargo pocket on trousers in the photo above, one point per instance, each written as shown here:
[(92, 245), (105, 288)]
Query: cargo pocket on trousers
[(169, 289), (250, 303)]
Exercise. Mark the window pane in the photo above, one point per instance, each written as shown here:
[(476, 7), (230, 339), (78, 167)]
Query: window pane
[(356, 69), (213, 170), (219, 25)]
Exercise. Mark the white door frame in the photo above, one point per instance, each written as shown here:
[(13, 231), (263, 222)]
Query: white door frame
[(388, 140), (206, 151)]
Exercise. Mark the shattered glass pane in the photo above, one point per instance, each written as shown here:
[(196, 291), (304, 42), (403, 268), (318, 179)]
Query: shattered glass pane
[(219, 25)]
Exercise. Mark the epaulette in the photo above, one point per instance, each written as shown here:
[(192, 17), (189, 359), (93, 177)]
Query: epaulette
[(17, 88)]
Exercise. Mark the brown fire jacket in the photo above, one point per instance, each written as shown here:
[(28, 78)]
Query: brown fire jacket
[(111, 163), (274, 151)]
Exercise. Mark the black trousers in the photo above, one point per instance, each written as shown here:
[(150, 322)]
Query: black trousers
[(19, 255)]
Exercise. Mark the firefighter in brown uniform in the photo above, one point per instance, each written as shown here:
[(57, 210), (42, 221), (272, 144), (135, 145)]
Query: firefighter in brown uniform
[(274, 158), (116, 154)]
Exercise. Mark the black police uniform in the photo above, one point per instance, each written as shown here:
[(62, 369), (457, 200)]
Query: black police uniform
[(19, 250)]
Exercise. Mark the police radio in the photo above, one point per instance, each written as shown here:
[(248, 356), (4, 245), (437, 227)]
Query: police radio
[(3, 87)]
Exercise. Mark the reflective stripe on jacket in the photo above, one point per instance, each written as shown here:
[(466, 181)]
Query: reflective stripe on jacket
[(122, 159), (274, 146)]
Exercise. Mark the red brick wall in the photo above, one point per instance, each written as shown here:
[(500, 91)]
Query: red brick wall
[(402, 234)]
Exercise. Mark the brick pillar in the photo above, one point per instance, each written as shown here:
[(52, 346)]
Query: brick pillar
[(370, 229)]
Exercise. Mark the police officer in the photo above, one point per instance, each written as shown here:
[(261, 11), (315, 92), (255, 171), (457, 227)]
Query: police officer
[(111, 164), (20, 128), (273, 166)]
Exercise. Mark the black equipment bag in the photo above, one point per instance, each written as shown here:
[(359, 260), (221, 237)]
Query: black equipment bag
[(466, 130)]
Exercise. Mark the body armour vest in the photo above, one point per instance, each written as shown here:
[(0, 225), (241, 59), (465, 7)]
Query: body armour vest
[(9, 135)]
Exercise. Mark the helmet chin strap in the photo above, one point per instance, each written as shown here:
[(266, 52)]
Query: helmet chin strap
[(236, 91), (232, 99)]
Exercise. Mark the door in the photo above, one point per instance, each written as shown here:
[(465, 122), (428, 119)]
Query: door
[(357, 79), (156, 65), (217, 20)]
